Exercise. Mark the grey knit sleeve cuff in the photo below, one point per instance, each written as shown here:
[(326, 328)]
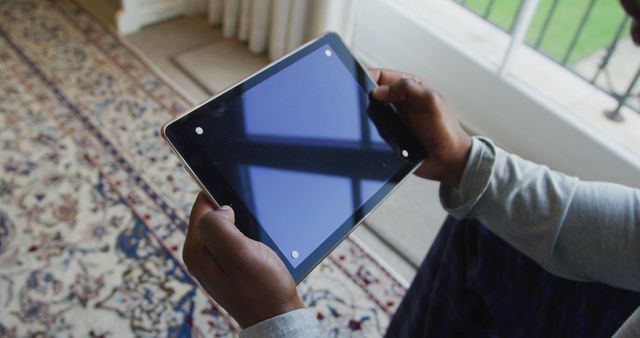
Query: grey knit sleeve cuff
[(459, 202), (300, 323)]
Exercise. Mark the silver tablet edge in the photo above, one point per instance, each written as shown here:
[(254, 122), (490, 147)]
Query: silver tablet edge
[(213, 200)]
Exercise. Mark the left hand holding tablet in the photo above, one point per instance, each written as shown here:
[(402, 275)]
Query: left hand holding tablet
[(431, 120), (242, 275)]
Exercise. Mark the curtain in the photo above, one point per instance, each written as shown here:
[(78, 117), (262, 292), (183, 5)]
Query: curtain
[(273, 26)]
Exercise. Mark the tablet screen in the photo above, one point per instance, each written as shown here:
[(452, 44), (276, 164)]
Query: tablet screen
[(324, 108), (298, 150)]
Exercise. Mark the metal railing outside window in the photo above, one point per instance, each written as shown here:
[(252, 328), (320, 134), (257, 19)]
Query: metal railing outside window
[(567, 32)]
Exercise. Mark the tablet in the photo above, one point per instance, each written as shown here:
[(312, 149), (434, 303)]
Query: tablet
[(299, 150)]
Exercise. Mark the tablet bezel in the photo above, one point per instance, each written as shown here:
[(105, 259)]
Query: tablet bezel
[(226, 195)]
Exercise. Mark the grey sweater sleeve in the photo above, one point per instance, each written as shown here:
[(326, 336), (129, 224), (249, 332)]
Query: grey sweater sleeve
[(587, 231), (299, 323)]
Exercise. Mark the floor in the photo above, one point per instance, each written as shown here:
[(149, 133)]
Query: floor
[(195, 57)]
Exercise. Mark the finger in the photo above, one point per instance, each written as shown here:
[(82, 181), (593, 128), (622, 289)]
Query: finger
[(385, 76), (414, 95), (193, 244), (194, 252), (230, 247), (201, 206), (374, 74), (203, 266), (199, 261)]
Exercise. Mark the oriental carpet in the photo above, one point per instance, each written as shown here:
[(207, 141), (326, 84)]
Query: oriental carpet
[(93, 206)]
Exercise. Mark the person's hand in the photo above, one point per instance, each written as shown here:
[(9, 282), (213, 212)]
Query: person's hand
[(242, 275), (429, 117)]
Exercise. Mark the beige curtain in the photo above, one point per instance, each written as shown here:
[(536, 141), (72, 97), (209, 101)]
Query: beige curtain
[(273, 26)]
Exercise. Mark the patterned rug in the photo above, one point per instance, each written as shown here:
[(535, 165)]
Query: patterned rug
[(93, 205)]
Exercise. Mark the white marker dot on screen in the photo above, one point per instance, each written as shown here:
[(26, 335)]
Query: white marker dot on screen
[(328, 52), (405, 153), (295, 254), (199, 130)]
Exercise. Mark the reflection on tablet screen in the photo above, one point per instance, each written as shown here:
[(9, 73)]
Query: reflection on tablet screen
[(299, 150), (292, 207)]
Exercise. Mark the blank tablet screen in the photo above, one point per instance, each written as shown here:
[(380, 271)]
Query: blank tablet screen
[(298, 150)]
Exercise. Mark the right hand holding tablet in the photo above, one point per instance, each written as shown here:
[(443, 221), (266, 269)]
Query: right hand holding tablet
[(431, 120), (242, 275)]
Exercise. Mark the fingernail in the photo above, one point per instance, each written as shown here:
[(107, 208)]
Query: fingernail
[(226, 212), (381, 92)]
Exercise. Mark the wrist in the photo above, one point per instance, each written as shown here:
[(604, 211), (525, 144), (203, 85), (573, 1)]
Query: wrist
[(297, 323), (455, 169), (292, 304)]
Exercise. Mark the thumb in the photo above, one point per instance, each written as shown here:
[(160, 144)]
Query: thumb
[(223, 240), (227, 213)]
